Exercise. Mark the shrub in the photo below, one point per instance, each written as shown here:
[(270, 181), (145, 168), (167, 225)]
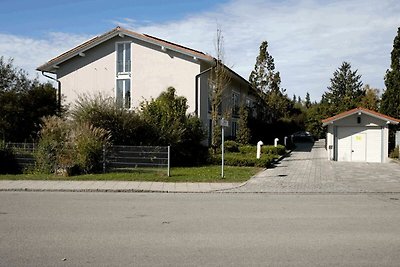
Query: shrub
[(395, 153), (125, 126), (279, 150), (231, 146), (248, 149), (87, 143), (51, 144), (68, 148), (238, 159)]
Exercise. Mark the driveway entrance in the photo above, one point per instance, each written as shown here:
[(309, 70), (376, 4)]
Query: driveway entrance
[(307, 170)]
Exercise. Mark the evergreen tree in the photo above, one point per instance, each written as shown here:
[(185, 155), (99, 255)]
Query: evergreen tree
[(243, 134), (264, 77), (345, 91), (294, 100), (390, 104), (307, 101), (266, 80)]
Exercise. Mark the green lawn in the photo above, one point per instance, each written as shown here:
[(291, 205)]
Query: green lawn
[(188, 174)]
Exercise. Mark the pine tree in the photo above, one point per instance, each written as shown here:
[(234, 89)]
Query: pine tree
[(345, 91), (264, 77), (307, 101), (243, 134), (266, 80), (390, 104)]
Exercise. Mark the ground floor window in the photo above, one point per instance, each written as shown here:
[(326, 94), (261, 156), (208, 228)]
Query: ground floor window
[(234, 129), (123, 93)]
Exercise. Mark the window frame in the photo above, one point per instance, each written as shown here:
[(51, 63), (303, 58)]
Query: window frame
[(235, 108), (125, 43), (123, 93)]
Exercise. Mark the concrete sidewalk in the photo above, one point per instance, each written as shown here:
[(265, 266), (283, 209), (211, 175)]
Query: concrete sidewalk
[(114, 186)]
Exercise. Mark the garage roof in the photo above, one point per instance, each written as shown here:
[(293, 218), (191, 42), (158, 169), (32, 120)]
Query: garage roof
[(363, 111)]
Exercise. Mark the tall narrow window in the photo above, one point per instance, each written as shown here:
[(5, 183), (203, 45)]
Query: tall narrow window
[(123, 94), (123, 57), (235, 103), (234, 129)]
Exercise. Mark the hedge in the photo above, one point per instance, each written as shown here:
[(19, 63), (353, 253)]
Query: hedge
[(238, 159)]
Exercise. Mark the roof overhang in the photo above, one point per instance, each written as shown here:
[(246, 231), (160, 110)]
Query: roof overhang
[(52, 65), (359, 111)]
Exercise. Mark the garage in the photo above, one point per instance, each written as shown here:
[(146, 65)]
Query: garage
[(358, 135)]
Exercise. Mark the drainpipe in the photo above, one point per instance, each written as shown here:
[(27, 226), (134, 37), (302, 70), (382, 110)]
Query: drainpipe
[(58, 92), (196, 93)]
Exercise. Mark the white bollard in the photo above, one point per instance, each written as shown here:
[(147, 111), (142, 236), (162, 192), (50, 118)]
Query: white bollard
[(259, 145), (276, 142), (285, 141)]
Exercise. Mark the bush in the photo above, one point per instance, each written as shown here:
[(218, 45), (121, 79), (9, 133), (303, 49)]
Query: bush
[(279, 150), (51, 144), (231, 146), (68, 148), (248, 149), (395, 153), (238, 159), (87, 143), (125, 126)]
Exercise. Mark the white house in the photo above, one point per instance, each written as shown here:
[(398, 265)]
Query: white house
[(359, 135), (133, 67)]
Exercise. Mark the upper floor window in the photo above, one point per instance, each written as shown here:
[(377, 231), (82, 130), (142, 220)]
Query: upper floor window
[(249, 103), (235, 103), (123, 57)]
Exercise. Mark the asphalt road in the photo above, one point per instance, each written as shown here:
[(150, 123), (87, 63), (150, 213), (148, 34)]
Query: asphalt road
[(117, 229)]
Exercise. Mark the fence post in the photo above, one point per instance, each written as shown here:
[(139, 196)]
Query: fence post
[(104, 158), (169, 161)]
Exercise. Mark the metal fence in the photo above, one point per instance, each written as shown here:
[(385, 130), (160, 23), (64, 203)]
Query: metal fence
[(132, 157), (115, 158), (23, 153)]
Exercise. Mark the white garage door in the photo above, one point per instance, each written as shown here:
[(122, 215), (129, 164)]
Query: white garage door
[(362, 144)]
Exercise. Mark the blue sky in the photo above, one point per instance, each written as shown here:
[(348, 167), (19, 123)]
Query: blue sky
[(309, 39), (35, 18)]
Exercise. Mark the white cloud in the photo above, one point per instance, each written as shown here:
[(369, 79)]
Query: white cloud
[(308, 38), (28, 53)]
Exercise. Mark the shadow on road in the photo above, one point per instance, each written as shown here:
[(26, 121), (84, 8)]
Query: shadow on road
[(304, 146)]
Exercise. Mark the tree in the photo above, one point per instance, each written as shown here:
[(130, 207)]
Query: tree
[(266, 80), (307, 101), (345, 91), (243, 134), (23, 102), (390, 104), (371, 98), (264, 77), (218, 83), (184, 133)]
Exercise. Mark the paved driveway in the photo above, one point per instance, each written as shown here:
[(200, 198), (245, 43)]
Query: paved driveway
[(308, 170)]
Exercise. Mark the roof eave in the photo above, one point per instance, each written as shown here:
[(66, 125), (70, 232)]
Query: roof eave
[(363, 111), (49, 66)]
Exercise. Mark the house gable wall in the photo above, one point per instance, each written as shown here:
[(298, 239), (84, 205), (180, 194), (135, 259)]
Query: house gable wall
[(153, 71)]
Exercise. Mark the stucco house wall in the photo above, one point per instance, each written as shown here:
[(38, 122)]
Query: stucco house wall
[(153, 71)]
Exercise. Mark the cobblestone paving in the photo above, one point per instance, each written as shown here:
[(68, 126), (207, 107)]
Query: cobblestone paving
[(307, 170)]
